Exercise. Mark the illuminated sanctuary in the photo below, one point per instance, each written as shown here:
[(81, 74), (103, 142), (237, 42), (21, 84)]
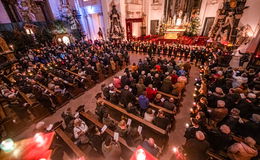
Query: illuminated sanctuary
[(129, 80)]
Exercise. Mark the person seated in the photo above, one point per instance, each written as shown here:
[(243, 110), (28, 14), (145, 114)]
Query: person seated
[(233, 119), (161, 120), (158, 100), (140, 87), (121, 128), (243, 150), (220, 139), (117, 82), (151, 92), (219, 113), (133, 137), (68, 117), (126, 96), (196, 148), (191, 130), (111, 149), (79, 131), (167, 85), (132, 109), (169, 104), (96, 138), (149, 115), (108, 121), (151, 147), (143, 102)]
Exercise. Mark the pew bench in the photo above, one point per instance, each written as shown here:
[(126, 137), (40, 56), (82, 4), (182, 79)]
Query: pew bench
[(150, 130), (89, 118), (74, 148)]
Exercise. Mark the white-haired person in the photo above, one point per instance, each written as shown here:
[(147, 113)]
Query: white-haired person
[(243, 150), (79, 131)]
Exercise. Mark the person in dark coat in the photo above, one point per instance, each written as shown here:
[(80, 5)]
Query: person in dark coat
[(126, 96), (167, 85), (196, 148), (220, 139), (133, 137), (161, 120), (191, 130), (169, 104), (151, 147)]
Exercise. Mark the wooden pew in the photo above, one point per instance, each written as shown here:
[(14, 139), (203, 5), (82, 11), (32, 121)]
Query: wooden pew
[(77, 151), (155, 106), (90, 119), (215, 156), (27, 99), (89, 81), (160, 136), (43, 86), (64, 81), (168, 95)]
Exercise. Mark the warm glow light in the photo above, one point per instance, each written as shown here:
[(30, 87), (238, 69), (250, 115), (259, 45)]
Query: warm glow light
[(194, 103), (7, 145), (175, 149), (250, 34), (194, 95), (187, 125), (178, 22), (197, 84), (66, 40), (191, 110), (140, 154), (39, 139), (196, 89)]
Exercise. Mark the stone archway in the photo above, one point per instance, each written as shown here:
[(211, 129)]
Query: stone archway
[(3, 45)]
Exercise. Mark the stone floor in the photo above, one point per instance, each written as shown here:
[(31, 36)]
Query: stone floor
[(88, 99)]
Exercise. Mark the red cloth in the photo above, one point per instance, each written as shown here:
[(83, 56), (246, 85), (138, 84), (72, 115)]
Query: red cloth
[(158, 68), (151, 93), (174, 78), (117, 83)]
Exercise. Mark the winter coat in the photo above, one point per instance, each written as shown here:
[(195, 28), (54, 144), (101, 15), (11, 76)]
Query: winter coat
[(125, 97), (143, 102), (218, 114), (241, 151), (140, 88), (151, 93), (111, 152), (196, 150), (117, 83), (166, 86)]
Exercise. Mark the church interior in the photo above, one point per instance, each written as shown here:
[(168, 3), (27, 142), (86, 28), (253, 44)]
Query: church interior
[(129, 79)]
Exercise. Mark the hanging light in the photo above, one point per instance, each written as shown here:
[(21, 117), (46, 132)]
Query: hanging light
[(7, 145)]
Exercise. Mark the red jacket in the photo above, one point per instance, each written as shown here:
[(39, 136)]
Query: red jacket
[(151, 93)]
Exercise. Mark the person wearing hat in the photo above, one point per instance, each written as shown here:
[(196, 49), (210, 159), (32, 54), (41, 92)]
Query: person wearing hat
[(243, 150), (196, 148), (219, 113), (220, 139)]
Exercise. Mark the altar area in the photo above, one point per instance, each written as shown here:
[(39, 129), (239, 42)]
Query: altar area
[(174, 32)]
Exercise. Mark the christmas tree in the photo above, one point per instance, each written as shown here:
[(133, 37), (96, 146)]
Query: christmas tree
[(193, 26)]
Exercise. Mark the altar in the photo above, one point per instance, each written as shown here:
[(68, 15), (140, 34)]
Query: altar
[(174, 32)]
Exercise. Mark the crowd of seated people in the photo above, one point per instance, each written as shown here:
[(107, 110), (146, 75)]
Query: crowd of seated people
[(52, 74), (225, 117)]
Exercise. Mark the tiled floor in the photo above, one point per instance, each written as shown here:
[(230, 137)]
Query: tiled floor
[(88, 99)]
